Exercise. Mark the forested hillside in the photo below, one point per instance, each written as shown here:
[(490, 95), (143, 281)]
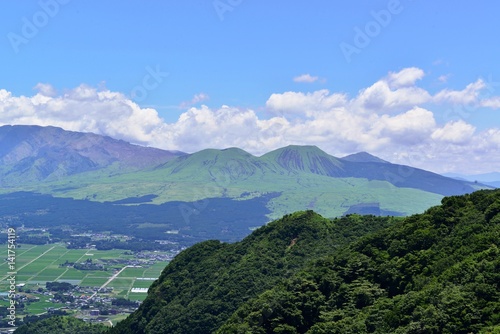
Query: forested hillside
[(60, 325), (204, 285), (437, 272)]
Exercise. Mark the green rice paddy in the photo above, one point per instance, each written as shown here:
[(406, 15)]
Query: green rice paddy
[(38, 264)]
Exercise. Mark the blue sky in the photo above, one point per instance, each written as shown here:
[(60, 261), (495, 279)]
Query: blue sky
[(387, 77)]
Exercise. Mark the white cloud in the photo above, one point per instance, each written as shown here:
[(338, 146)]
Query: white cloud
[(82, 109), (46, 89), (305, 103), (197, 98), (493, 102), (457, 132), (394, 93), (444, 78), (469, 95), (404, 78), (306, 78), (392, 118), (200, 128), (410, 127), (380, 98)]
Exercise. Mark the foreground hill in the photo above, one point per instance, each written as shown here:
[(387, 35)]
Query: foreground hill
[(200, 289), (436, 272)]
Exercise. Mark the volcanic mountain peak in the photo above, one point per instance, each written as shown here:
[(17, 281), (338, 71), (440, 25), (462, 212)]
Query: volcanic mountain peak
[(309, 159), (363, 157)]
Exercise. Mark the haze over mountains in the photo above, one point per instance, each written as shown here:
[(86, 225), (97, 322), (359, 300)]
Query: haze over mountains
[(491, 179), (61, 163)]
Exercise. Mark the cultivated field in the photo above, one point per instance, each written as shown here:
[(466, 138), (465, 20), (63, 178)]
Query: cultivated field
[(38, 264)]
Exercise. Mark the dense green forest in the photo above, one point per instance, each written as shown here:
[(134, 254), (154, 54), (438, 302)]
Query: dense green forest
[(224, 219), (436, 272), (204, 285), (60, 325)]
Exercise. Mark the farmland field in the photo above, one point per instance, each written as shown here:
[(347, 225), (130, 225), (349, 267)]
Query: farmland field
[(38, 264)]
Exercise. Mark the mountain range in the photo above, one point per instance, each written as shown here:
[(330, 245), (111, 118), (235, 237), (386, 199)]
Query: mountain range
[(87, 166), (490, 179), (34, 153)]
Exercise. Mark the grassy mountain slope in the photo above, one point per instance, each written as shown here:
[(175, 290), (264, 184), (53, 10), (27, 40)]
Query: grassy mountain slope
[(363, 157), (436, 272), (306, 178), (309, 159)]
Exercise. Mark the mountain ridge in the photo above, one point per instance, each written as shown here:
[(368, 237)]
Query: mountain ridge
[(363, 157), (237, 272), (35, 153), (294, 158), (88, 166)]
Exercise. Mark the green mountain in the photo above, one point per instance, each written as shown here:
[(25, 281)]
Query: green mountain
[(91, 167), (304, 177), (304, 159), (436, 272), (363, 157)]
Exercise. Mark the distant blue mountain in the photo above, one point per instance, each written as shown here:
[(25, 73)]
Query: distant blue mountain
[(491, 179)]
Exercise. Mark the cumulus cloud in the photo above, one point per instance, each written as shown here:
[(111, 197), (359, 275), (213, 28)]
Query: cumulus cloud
[(493, 102), (83, 108), (469, 95), (203, 127), (410, 127), (381, 98), (395, 93), (404, 78), (45, 89), (307, 78), (393, 118), (305, 103), (457, 132)]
